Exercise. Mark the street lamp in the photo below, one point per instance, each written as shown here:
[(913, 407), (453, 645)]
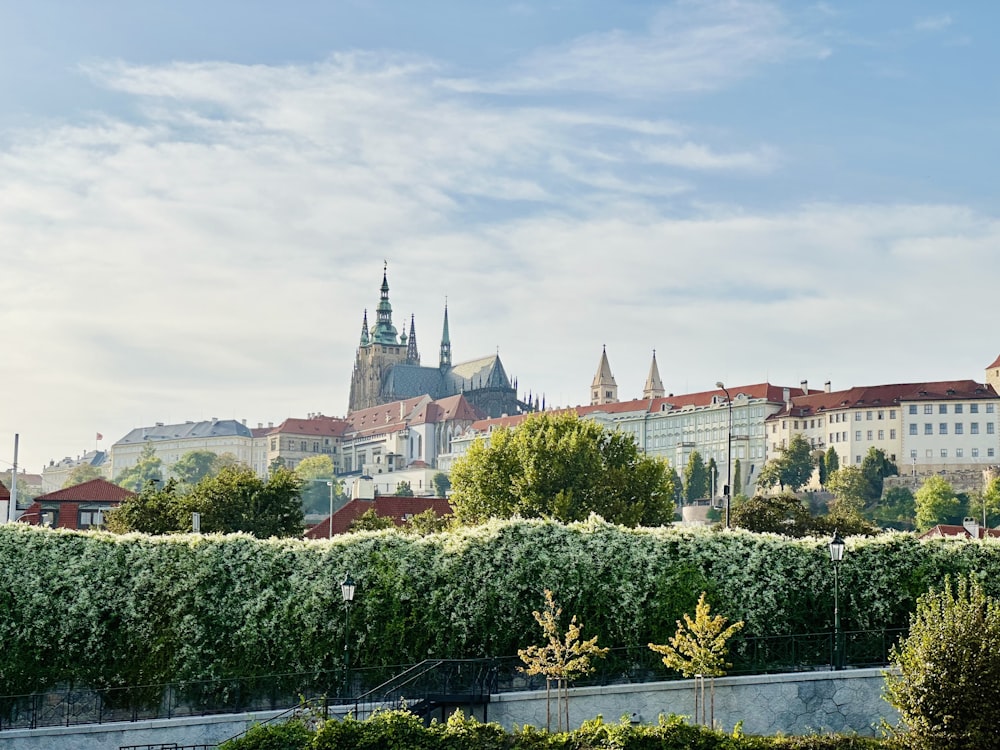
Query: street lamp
[(729, 451), (836, 555), (347, 592), (330, 524)]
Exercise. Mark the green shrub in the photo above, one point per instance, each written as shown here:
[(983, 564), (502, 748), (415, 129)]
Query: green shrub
[(290, 735)]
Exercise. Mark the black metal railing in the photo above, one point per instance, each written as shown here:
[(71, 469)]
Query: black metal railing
[(458, 681)]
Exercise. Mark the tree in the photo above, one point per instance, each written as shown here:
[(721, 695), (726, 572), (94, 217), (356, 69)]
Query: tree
[(427, 522), (896, 508), (737, 489), (695, 478), (561, 659), (986, 504), (558, 465), (194, 466), (779, 514), (875, 467), (441, 484), (824, 473), (851, 489), (315, 472), (947, 667), (149, 468), (935, 503), (699, 649), (792, 468), (82, 473), (236, 499), (154, 510), (371, 521), (403, 489), (832, 460)]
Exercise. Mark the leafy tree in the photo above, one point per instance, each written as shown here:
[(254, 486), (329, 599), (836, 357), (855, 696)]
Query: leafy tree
[(314, 472), (427, 522), (824, 473), (371, 521), (236, 499), (896, 508), (561, 659), (832, 460), (875, 467), (851, 489), (403, 489), (779, 514), (560, 466), (154, 510), (82, 473), (987, 503), (315, 468), (695, 478), (947, 666), (441, 484), (699, 649), (149, 468), (737, 489), (935, 502), (194, 466), (792, 468)]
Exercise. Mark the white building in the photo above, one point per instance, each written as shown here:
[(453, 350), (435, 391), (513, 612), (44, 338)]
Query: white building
[(172, 441)]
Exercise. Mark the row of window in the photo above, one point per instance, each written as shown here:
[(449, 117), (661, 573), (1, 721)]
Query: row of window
[(956, 408), (958, 427), (303, 445), (959, 453)]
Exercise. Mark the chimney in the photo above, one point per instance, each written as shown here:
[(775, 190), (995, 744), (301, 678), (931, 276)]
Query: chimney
[(786, 396), (270, 424), (804, 385), (826, 386), (972, 526)]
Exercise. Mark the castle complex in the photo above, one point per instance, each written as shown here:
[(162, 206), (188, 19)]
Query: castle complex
[(387, 369)]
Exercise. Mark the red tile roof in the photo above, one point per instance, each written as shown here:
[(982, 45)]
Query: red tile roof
[(952, 531), (386, 506), (996, 363), (315, 426), (96, 490), (886, 395)]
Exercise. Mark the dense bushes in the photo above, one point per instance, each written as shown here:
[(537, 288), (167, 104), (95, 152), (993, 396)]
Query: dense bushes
[(106, 610), (395, 729)]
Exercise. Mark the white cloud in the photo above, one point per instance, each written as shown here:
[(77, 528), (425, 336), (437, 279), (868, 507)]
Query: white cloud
[(933, 23)]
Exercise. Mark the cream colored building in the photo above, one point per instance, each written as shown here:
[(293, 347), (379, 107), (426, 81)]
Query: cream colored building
[(171, 442)]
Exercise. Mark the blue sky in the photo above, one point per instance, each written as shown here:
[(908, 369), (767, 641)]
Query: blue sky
[(196, 198)]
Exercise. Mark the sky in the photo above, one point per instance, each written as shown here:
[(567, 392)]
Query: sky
[(197, 199)]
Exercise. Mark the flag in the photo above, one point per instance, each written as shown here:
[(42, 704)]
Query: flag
[(100, 436)]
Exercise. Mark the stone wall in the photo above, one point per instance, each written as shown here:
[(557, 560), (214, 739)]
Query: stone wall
[(800, 703)]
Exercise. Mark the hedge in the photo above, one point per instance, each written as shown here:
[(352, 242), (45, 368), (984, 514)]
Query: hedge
[(103, 610)]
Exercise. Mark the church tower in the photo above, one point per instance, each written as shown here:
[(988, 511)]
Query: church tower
[(378, 350), (445, 361), (604, 389), (654, 386)]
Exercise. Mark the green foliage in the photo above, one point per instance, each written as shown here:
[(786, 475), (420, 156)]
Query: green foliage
[(832, 460), (700, 646), (427, 522), (82, 473), (897, 508), (194, 466), (935, 502), (441, 484), (403, 489), (289, 735), (371, 521), (315, 472), (236, 499), (988, 502), (949, 669), (154, 510), (875, 467), (148, 468), (779, 514), (695, 478), (851, 489), (560, 466), (737, 489), (792, 468)]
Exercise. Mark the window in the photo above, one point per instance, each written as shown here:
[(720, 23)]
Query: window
[(944, 453), (990, 428), (302, 445), (913, 428), (929, 453), (973, 428), (881, 415), (973, 408), (868, 416), (959, 428), (857, 435), (989, 453), (975, 452), (959, 453), (913, 453), (607, 394), (857, 459), (597, 394), (943, 428), (942, 408), (857, 416), (274, 444), (989, 408), (892, 413), (958, 408), (928, 428), (89, 517), (892, 434), (315, 446), (913, 408), (869, 435), (796, 426), (928, 409), (881, 434), (50, 517)]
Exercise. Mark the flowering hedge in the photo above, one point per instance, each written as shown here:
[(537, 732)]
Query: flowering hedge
[(105, 610)]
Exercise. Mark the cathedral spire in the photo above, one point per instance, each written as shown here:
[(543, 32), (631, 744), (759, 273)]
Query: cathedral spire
[(604, 389), (384, 331), (412, 355), (445, 342), (654, 386), (364, 329)]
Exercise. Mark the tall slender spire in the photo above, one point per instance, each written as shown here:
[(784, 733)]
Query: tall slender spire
[(412, 355), (364, 330), (654, 386), (384, 331), (445, 361), (604, 389)]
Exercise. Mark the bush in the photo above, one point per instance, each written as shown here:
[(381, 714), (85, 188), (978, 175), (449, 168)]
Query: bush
[(291, 735), (948, 675)]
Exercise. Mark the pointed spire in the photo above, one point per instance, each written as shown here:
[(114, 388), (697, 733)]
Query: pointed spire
[(654, 386), (604, 389), (445, 361), (364, 330), (412, 355), (384, 331)]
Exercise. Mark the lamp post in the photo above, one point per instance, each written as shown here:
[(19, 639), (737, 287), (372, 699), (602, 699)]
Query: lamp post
[(347, 592), (836, 555), (729, 451), (330, 523)]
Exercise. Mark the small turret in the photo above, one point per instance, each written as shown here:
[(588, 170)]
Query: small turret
[(604, 389), (412, 355), (654, 386), (445, 360)]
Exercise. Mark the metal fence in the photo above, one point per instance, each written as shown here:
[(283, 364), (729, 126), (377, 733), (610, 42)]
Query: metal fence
[(449, 679)]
